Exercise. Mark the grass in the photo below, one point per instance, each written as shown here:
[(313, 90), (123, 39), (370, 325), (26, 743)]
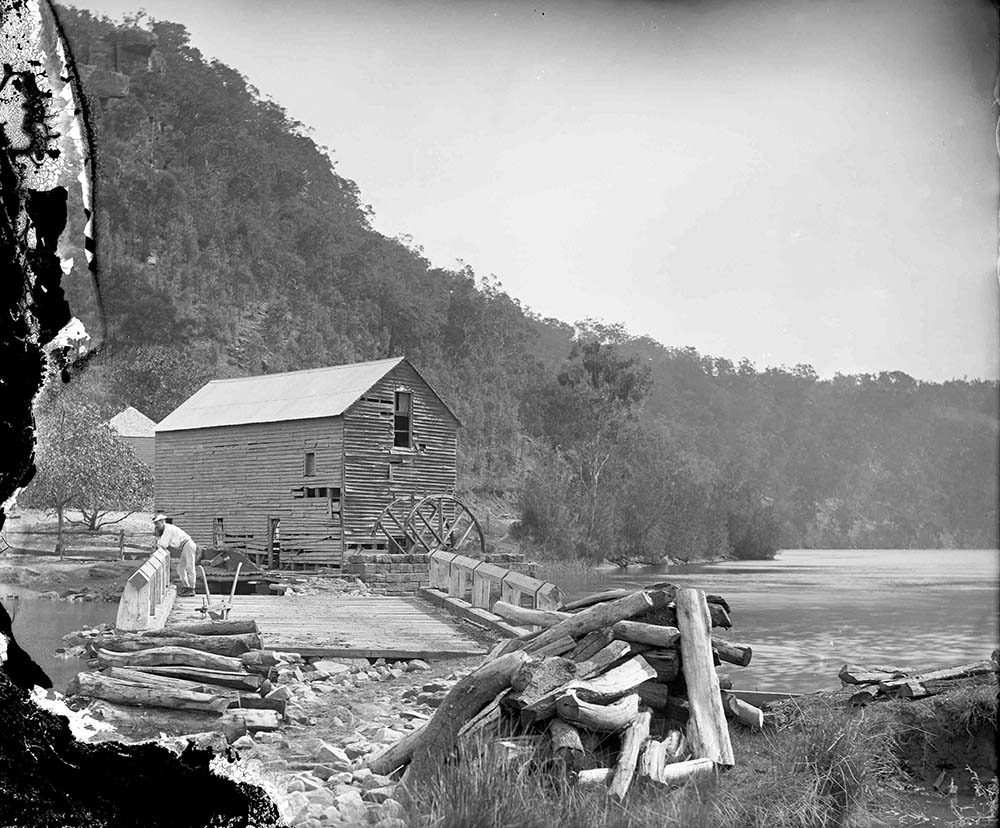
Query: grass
[(819, 766)]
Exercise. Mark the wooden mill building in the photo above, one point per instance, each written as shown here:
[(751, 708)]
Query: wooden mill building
[(136, 429), (303, 463)]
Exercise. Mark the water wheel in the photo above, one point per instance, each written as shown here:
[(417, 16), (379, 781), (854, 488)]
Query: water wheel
[(431, 524)]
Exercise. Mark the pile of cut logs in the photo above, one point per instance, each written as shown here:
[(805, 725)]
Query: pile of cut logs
[(883, 681), (616, 684), (212, 667)]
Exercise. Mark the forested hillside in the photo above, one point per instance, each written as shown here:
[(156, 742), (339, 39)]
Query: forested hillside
[(232, 246)]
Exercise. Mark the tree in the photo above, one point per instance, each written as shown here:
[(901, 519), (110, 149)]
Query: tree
[(82, 464), (586, 415)]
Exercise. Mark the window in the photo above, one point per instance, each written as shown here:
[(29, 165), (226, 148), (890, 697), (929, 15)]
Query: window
[(402, 420), (310, 464), (218, 534)]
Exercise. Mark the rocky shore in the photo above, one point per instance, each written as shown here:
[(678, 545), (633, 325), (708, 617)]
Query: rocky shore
[(339, 712)]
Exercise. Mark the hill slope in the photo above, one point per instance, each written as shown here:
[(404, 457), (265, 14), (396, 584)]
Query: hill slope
[(234, 247)]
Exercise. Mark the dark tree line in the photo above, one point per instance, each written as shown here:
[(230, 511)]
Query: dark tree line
[(234, 247)]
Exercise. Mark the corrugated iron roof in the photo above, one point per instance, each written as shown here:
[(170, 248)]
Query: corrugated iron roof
[(132, 423), (272, 398)]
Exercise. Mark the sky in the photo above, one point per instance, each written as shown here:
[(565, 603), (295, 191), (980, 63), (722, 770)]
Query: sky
[(789, 182)]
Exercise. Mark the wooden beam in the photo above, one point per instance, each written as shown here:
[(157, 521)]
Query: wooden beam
[(708, 732)]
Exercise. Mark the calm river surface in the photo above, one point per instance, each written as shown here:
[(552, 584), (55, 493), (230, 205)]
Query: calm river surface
[(40, 624), (808, 612)]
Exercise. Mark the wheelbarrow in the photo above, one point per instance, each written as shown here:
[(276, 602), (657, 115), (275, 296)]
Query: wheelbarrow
[(219, 611)]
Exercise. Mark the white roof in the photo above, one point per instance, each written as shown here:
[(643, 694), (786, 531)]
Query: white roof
[(132, 423), (272, 398)]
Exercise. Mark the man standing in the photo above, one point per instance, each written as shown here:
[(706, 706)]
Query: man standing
[(176, 540)]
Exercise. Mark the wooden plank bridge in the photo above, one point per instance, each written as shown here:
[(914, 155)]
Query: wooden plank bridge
[(362, 626), (346, 626)]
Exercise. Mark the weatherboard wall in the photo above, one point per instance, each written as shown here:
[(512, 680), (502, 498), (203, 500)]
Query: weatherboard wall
[(376, 473), (248, 474)]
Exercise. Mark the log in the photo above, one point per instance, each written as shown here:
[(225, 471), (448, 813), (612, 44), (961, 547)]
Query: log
[(168, 656), (257, 703), (674, 745), (866, 694), (485, 718), (255, 720), (544, 676), (633, 739), (596, 598), (707, 730), (653, 694), (744, 713), (720, 616), (228, 645), (100, 686), (604, 658), (259, 658), (609, 718), (739, 654), (680, 773), (558, 647), (601, 615), (528, 617), (853, 674), (594, 777), (593, 642), (658, 754), (137, 676), (599, 690), (566, 744), (615, 683), (652, 634), (931, 687), (205, 628), (544, 706), (222, 678), (665, 662), (436, 738), (961, 671)]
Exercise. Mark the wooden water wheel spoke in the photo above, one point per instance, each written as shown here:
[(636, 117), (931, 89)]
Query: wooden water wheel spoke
[(433, 523)]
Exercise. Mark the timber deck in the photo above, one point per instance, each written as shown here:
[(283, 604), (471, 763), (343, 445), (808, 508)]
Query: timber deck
[(346, 626)]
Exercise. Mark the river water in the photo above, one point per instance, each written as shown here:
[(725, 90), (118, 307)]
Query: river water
[(808, 612), (40, 624), (805, 614)]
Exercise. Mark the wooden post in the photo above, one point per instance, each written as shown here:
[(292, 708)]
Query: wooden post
[(708, 732), (121, 544), (632, 741)]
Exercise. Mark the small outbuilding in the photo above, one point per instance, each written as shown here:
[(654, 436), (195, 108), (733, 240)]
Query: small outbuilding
[(299, 466), (136, 429)]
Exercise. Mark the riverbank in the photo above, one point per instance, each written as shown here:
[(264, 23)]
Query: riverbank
[(817, 762)]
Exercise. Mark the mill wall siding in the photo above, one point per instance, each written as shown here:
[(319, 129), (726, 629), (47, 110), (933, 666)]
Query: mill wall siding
[(246, 475), (430, 468)]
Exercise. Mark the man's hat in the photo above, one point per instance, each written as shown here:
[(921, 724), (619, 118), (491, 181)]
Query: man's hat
[(160, 516)]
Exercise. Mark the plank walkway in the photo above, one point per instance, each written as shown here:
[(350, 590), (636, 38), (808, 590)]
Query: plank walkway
[(345, 626)]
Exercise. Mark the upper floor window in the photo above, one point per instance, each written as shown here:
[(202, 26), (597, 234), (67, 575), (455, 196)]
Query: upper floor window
[(402, 420), (310, 464)]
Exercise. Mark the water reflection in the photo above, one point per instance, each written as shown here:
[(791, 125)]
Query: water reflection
[(809, 611)]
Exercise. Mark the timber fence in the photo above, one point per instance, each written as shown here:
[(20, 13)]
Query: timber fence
[(472, 588), (79, 542), (145, 601)]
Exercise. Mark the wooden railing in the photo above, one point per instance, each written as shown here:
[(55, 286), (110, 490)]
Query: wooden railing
[(142, 604), (482, 584)]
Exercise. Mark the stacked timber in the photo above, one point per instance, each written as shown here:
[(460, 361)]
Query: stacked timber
[(887, 681), (214, 667), (617, 685)]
